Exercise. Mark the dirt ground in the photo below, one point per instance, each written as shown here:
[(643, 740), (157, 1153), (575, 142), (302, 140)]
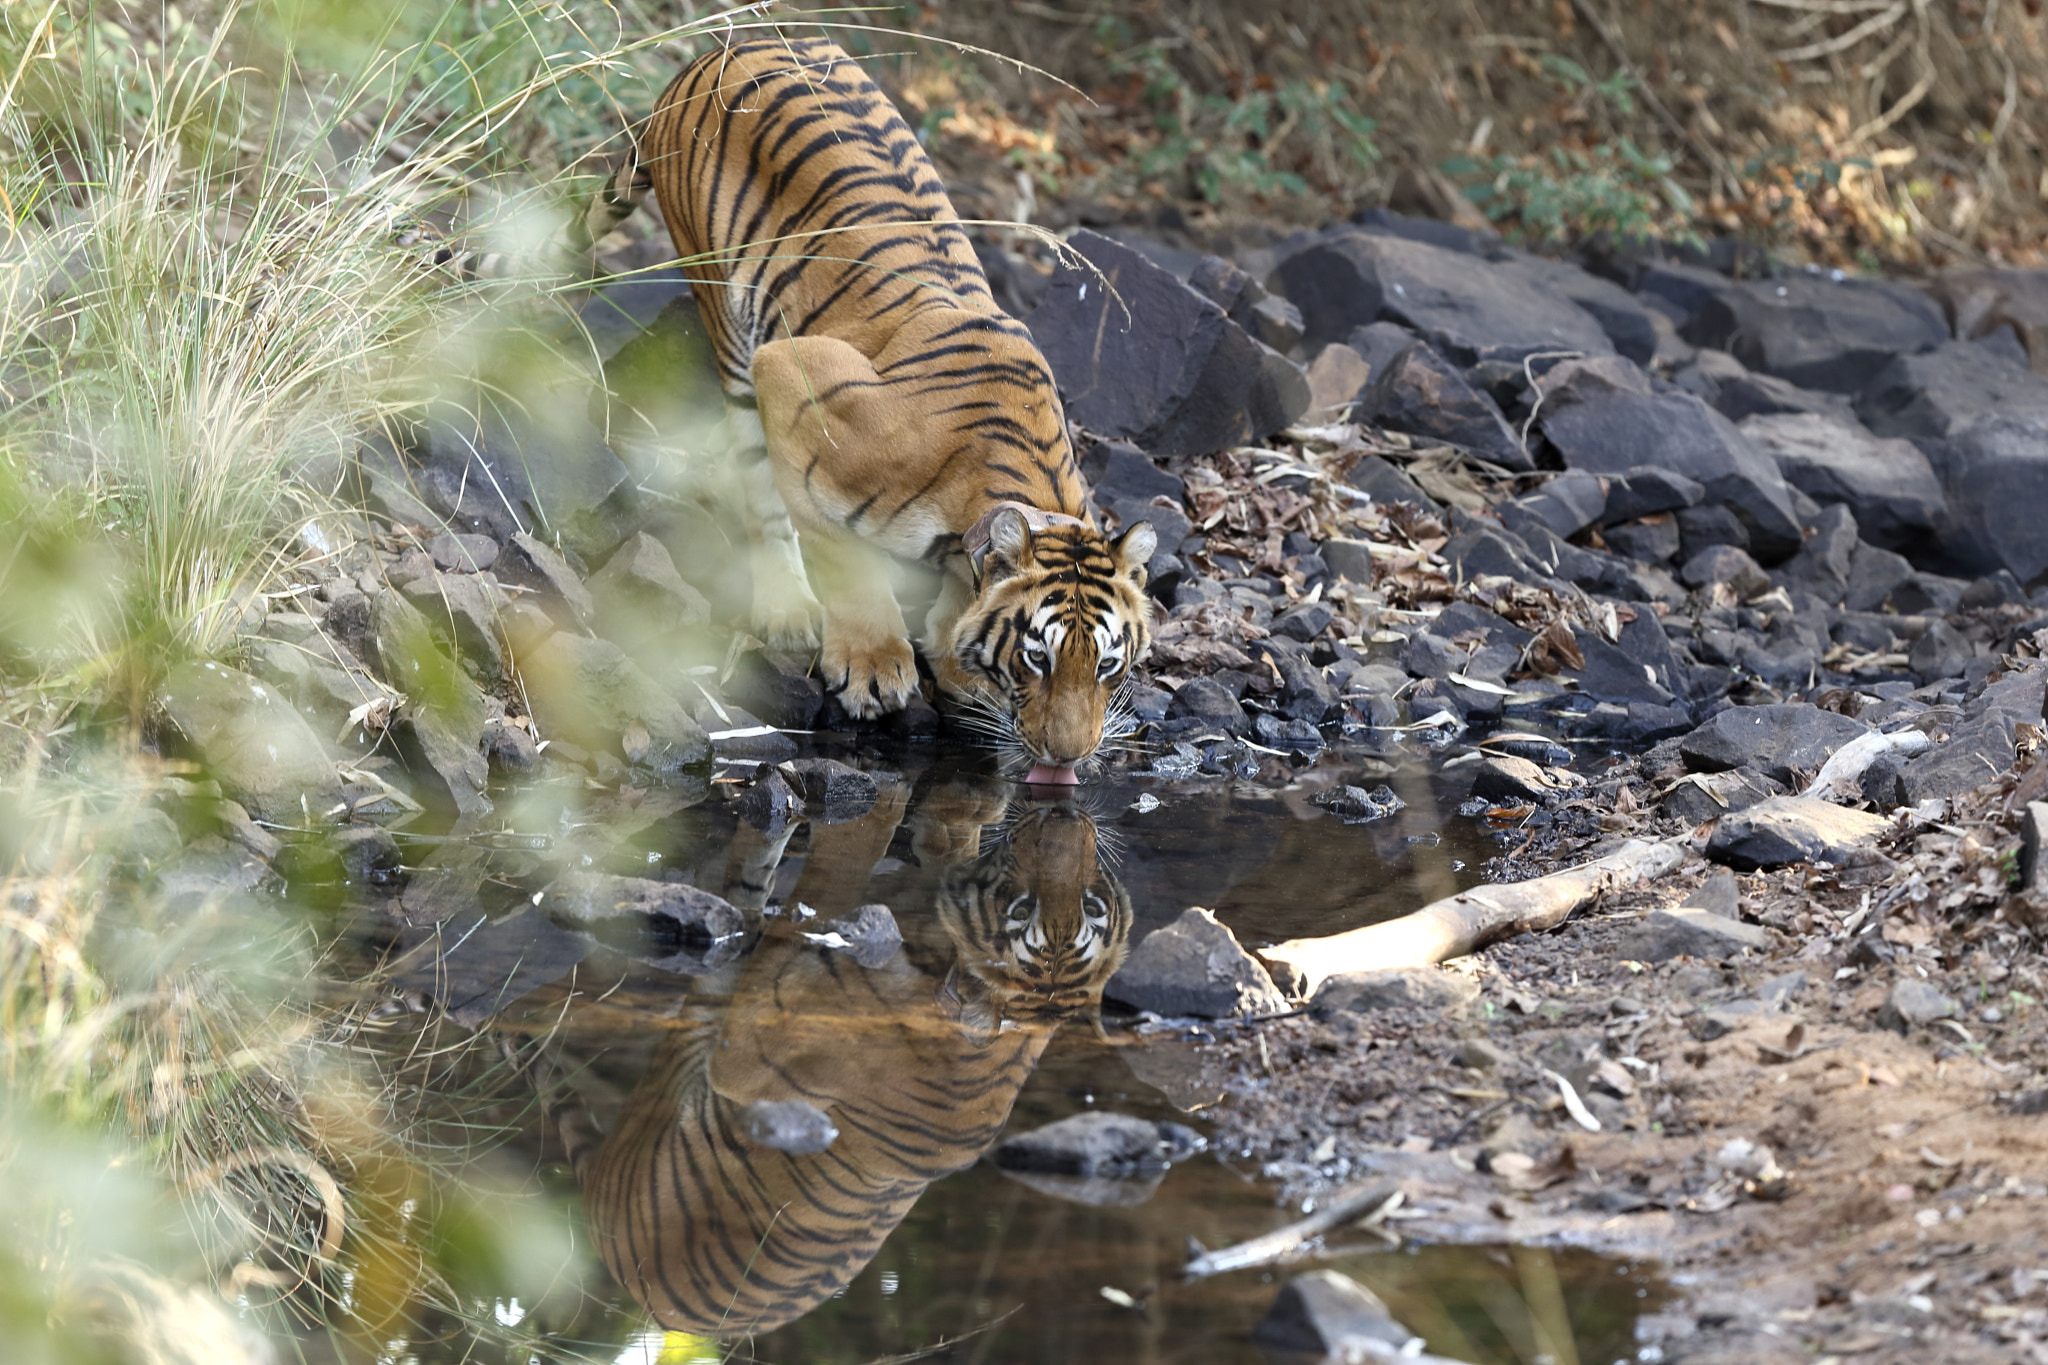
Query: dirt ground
[(1818, 1185)]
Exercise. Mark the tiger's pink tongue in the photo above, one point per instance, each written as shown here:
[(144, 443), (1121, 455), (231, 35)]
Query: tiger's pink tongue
[(1047, 774)]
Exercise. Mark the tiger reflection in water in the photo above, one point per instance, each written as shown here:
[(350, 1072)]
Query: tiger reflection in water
[(917, 1062)]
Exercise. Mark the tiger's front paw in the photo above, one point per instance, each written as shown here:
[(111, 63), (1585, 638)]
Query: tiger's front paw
[(871, 676), (787, 617)]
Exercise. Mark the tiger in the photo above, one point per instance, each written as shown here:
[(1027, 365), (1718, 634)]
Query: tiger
[(887, 408), (917, 1063)]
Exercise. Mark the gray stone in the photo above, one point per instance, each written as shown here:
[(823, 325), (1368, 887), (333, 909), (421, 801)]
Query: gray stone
[(672, 926), (1603, 417), (589, 692), (1725, 564), (1420, 393), (463, 553), (1205, 701), (474, 967), (1393, 988), (1792, 829), (1687, 932), (440, 728), (1648, 490), (1776, 740), (1175, 374), (1718, 894), (1942, 651), (1651, 540), (260, 750), (1886, 482), (2033, 838), (1816, 329), (1982, 745), (1826, 563), (1914, 1003), (833, 792), (1387, 484), (1621, 315), (1466, 308), (1332, 1315), (640, 600), (464, 610), (1099, 1144), (532, 564), (870, 935), (1567, 505), (797, 1127), (1507, 780), (1194, 966)]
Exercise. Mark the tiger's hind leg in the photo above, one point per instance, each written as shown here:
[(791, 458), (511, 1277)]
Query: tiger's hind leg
[(785, 612)]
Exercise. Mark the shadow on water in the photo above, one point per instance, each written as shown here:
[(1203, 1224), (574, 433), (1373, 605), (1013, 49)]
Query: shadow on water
[(775, 1123)]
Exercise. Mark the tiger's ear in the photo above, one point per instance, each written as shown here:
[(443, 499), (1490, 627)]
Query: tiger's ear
[(1134, 550), (1009, 543)]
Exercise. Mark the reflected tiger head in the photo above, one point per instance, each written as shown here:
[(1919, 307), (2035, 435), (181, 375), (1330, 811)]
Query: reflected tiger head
[(1039, 921)]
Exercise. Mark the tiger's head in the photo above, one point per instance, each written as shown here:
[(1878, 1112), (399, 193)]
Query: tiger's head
[(1039, 921), (1059, 619)]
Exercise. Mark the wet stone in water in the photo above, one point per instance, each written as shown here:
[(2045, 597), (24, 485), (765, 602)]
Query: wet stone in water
[(833, 792), (1099, 1144), (1356, 805), (790, 1126), (869, 936)]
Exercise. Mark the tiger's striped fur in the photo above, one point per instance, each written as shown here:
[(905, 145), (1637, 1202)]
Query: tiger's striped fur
[(918, 1069), (898, 406)]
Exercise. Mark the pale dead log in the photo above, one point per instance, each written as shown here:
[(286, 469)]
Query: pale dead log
[(1369, 1203), (1465, 922)]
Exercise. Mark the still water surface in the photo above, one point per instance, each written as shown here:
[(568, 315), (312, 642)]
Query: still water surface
[(641, 1115)]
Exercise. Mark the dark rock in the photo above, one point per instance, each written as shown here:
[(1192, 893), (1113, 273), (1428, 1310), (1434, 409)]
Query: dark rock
[(1194, 966), (509, 749), (1704, 527), (1639, 667), (1941, 652), (1418, 392), (1914, 1003), (1098, 1144), (1998, 589), (1358, 806), (1306, 693), (1327, 1314), (529, 563), (1620, 314), (1303, 622), (1647, 490), (463, 553), (1725, 564), (589, 692), (1653, 540), (1118, 471), (833, 792), (1778, 740), (253, 742), (1507, 780), (1387, 484), (1887, 483), (474, 967), (768, 804), (1567, 505), (672, 926), (1792, 829), (1982, 745), (1747, 395), (641, 601), (1818, 331), (1708, 796), (1690, 932), (1602, 417), (870, 936), (367, 854), (1207, 701), (1718, 895), (1176, 375), (1434, 231), (778, 689), (1873, 574), (1394, 988), (1490, 551), (741, 737), (1467, 309)]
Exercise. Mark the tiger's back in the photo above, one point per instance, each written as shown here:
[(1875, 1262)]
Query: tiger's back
[(803, 205)]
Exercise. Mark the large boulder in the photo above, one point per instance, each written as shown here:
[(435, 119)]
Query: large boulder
[(1980, 303), (1469, 309), (1602, 417), (1142, 356), (1778, 741), (253, 743), (1792, 829), (1982, 745), (1194, 966), (1418, 392), (1887, 482), (1620, 314), (1818, 330)]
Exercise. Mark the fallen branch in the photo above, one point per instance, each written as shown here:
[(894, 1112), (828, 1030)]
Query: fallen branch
[(1371, 1202), (1465, 922)]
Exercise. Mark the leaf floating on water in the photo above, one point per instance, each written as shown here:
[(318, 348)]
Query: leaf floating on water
[(1146, 803), (1117, 1296)]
